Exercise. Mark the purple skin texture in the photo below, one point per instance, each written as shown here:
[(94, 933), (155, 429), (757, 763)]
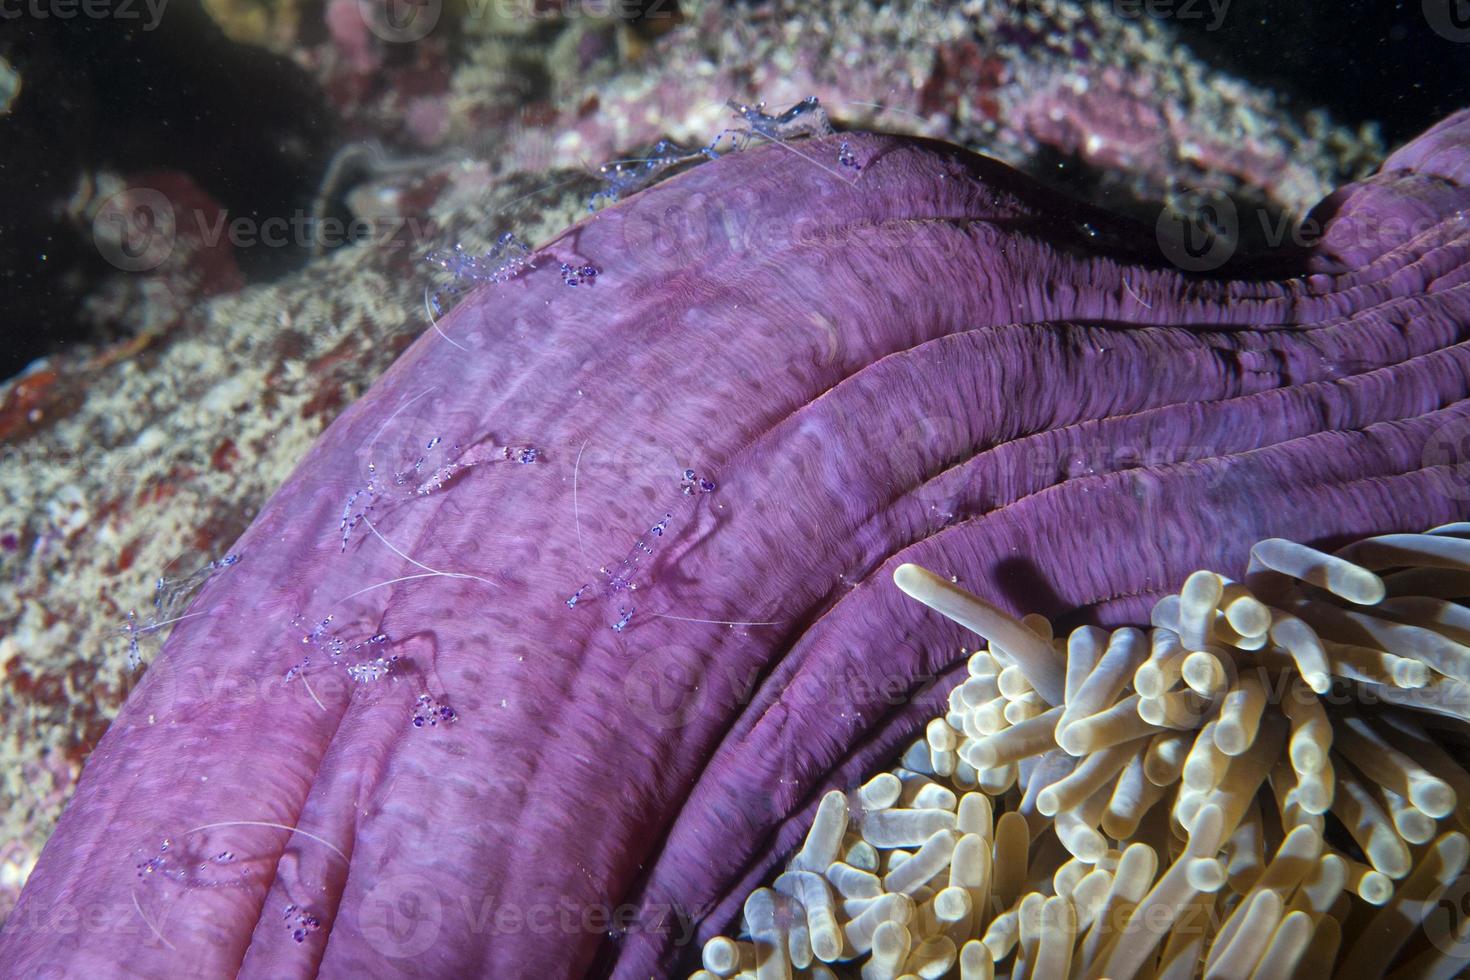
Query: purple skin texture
[(928, 360)]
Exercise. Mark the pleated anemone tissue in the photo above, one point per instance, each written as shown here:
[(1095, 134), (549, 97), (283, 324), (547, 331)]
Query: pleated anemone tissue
[(840, 558)]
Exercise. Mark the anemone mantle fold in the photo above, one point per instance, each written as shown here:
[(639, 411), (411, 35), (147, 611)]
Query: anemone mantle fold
[(928, 359)]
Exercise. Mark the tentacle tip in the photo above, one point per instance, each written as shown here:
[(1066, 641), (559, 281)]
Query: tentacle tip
[(910, 577)]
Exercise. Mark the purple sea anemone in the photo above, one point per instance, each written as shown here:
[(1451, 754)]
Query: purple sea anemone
[(544, 658)]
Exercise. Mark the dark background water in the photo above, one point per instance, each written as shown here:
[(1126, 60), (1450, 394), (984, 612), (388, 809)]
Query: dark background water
[(255, 132), (1363, 60)]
